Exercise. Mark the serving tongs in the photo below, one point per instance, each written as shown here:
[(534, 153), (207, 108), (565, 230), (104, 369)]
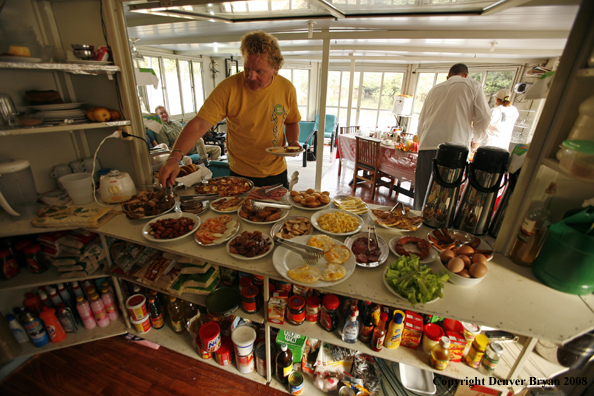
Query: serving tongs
[(263, 205), (310, 254), (369, 231), (398, 205), (198, 197), (268, 190)]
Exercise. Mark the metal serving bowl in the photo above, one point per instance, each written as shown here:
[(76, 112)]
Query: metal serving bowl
[(83, 47), (83, 54)]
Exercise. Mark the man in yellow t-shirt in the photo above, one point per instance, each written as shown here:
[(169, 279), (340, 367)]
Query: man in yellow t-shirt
[(260, 107)]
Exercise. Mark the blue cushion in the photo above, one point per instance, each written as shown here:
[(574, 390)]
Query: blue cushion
[(330, 124), (305, 129)]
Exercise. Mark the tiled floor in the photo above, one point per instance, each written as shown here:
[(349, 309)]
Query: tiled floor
[(339, 185)]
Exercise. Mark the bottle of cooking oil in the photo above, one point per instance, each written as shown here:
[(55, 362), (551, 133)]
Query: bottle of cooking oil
[(440, 354), (176, 315)]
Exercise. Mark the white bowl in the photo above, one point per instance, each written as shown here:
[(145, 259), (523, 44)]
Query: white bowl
[(460, 280)]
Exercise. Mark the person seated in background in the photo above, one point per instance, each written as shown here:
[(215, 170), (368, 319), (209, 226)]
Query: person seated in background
[(171, 129)]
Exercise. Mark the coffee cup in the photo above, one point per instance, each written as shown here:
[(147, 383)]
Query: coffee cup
[(77, 166), (59, 171)]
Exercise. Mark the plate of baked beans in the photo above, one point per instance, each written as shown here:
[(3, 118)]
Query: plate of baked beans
[(171, 227), (309, 199)]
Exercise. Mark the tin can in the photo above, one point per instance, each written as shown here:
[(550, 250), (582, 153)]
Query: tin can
[(142, 325), (261, 358), (136, 306), (223, 354), (210, 336), (245, 364), (296, 383), (491, 358), (346, 391), (204, 354)]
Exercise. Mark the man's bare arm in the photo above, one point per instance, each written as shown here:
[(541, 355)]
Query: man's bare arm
[(292, 131)]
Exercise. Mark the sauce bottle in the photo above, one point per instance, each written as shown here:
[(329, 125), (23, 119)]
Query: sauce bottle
[(53, 327), (394, 333), (379, 334), (284, 364), (156, 313), (440, 354), (366, 331), (176, 314)]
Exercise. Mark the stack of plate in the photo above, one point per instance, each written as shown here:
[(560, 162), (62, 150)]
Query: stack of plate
[(64, 111)]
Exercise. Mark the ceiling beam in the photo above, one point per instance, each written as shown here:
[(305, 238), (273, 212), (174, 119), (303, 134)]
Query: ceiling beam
[(383, 34), (329, 8), (417, 59), (502, 6)]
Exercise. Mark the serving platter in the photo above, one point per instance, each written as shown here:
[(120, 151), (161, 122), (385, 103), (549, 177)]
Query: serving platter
[(147, 228), (249, 182), (283, 214), (462, 236), (382, 245), (316, 216), (232, 209), (429, 259), (288, 199), (277, 227), (411, 213), (398, 295), (231, 231), (242, 257)]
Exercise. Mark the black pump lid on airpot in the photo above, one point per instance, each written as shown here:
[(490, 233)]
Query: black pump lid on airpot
[(490, 160), (451, 155)]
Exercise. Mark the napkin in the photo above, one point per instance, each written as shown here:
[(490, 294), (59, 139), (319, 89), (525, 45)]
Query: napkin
[(195, 177)]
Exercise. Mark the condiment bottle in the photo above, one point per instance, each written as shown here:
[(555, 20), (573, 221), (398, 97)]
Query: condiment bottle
[(249, 298), (296, 311), (190, 311), (367, 325), (98, 309), (440, 354), (351, 328), (328, 314), (284, 364), (35, 259), (432, 334), (394, 333), (176, 315), (312, 309), (491, 358), (477, 350), (85, 313), (379, 334), (244, 281), (155, 313), (53, 327)]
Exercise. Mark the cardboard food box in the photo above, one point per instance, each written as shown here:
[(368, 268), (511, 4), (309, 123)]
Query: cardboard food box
[(457, 345), (295, 342), (276, 307), (413, 330)]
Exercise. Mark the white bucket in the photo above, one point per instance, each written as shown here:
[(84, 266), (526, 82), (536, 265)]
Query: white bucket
[(243, 338), (79, 187)]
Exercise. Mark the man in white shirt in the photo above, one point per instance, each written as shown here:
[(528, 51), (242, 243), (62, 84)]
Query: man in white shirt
[(454, 111)]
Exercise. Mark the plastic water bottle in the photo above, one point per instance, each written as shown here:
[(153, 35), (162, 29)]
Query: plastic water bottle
[(109, 303), (86, 315), (76, 289), (64, 295), (53, 295), (19, 333), (98, 309)]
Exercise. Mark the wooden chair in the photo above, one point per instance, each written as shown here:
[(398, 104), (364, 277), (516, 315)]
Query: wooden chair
[(367, 159), (341, 131)]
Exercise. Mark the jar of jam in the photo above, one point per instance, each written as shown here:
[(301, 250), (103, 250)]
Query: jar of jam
[(312, 309), (296, 311), (249, 299), (10, 268), (328, 314), (35, 259), (258, 280), (244, 281)]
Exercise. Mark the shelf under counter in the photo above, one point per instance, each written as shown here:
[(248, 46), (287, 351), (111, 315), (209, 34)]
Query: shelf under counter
[(115, 328), (63, 127), (510, 298), (27, 279), (76, 68)]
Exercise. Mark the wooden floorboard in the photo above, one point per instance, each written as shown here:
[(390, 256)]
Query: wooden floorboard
[(116, 366)]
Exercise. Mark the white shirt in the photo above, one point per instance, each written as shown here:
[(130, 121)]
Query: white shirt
[(449, 112), (501, 127)]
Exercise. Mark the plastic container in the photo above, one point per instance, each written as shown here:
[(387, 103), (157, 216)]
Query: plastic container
[(394, 333), (136, 306), (453, 325), (110, 305), (470, 332), (432, 333), (577, 158), (244, 281), (477, 351), (224, 353), (245, 364), (98, 309), (10, 348), (53, 326), (142, 325), (210, 336), (67, 319), (243, 338), (79, 187), (85, 313), (19, 333)]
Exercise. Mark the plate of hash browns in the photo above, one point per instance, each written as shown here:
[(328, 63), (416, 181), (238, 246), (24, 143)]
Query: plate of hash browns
[(226, 186), (411, 221)]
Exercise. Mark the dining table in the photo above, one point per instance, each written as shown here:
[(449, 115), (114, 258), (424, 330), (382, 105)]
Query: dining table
[(394, 162)]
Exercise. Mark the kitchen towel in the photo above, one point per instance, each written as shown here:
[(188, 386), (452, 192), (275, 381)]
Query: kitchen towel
[(73, 216)]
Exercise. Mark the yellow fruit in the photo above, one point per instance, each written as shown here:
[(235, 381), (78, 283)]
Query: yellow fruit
[(101, 114), (91, 114)]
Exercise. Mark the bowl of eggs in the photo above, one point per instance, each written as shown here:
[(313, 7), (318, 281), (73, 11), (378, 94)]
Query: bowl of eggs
[(465, 267)]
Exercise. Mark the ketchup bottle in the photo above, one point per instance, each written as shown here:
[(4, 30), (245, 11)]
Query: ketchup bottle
[(52, 324)]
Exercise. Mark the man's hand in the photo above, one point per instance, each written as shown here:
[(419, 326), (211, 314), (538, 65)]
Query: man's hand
[(168, 172), (294, 143)]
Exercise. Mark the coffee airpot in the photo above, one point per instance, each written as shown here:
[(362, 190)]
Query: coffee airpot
[(444, 185), (485, 175)]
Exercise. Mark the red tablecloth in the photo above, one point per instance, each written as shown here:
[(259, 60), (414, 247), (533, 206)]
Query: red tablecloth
[(400, 164)]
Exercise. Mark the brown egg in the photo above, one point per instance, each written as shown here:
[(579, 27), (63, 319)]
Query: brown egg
[(466, 260), (479, 258), (478, 270), (464, 273), (446, 255), (465, 250), (455, 265)]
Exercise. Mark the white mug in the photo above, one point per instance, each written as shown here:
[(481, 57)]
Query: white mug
[(59, 171), (77, 166)]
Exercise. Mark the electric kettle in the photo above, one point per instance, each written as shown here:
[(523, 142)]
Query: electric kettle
[(17, 187), (444, 185), (485, 174), (116, 187)]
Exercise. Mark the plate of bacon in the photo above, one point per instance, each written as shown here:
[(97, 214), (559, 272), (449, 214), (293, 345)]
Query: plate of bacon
[(227, 204), (250, 246), (409, 221), (268, 193)]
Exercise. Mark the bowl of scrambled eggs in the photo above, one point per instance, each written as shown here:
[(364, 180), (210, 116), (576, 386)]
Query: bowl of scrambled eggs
[(337, 222)]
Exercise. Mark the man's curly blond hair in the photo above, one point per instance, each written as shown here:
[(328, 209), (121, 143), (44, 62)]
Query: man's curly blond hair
[(260, 42)]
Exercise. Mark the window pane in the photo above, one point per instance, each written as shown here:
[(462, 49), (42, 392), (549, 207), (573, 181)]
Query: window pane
[(301, 82), (386, 120), (286, 73), (476, 76), (367, 119), (495, 81), (154, 95), (342, 116), (391, 88), (172, 87), (424, 85), (356, 90), (344, 90), (441, 77), (371, 90), (186, 84), (354, 121), (333, 88), (303, 112), (198, 86)]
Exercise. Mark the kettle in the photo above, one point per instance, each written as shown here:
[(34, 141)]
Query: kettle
[(116, 187), (17, 187), (485, 174), (444, 185)]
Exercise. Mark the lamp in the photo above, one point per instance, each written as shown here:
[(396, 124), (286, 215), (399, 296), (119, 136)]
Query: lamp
[(134, 51)]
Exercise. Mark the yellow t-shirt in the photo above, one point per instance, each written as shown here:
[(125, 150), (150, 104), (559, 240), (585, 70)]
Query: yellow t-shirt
[(255, 121)]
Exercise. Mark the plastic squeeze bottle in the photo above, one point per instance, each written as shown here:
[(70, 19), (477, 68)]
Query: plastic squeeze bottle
[(350, 332), (54, 329), (77, 290), (394, 334), (53, 295), (98, 309), (109, 303), (379, 334), (19, 333), (86, 315), (64, 295)]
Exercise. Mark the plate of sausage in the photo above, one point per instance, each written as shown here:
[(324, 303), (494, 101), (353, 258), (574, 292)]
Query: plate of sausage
[(405, 246), (266, 216), (250, 245), (171, 227), (367, 255)]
